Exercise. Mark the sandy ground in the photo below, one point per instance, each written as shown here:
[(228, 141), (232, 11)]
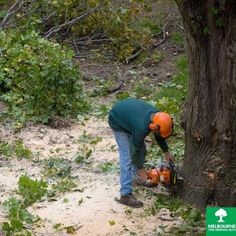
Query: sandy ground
[(99, 213)]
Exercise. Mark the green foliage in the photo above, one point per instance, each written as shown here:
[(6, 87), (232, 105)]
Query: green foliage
[(191, 216), (69, 229), (170, 99), (177, 37), (142, 91), (58, 173), (63, 185), (15, 210), (18, 217), (4, 6), (112, 222), (16, 149), (31, 190), (57, 168), (89, 139), (146, 24), (6, 149), (157, 56), (20, 150), (108, 166), (217, 14), (214, 11), (83, 155), (122, 95), (41, 78), (122, 24), (173, 93), (101, 111), (206, 31), (102, 85)]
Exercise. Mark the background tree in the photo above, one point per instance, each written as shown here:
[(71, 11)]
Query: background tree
[(210, 114)]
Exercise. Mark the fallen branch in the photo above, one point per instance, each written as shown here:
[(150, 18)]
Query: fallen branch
[(57, 28), (11, 11), (163, 38), (134, 56)]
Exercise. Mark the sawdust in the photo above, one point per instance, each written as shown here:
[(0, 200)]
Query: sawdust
[(92, 211)]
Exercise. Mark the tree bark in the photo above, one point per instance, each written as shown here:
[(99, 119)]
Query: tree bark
[(210, 117)]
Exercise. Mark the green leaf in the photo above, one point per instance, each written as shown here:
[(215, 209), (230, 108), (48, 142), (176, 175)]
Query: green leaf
[(31, 190), (112, 222), (6, 227), (16, 225)]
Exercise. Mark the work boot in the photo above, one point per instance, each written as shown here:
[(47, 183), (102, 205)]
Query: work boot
[(130, 200)]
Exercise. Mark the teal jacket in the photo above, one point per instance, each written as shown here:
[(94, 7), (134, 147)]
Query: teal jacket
[(134, 116)]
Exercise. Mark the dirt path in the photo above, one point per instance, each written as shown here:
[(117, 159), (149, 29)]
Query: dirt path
[(92, 211)]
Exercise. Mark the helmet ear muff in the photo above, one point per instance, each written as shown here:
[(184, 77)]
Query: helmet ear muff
[(154, 127)]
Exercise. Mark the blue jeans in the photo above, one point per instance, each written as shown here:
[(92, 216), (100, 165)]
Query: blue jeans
[(128, 171)]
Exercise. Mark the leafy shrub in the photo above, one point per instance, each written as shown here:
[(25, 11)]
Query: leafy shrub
[(31, 190), (120, 24), (41, 78), (18, 217)]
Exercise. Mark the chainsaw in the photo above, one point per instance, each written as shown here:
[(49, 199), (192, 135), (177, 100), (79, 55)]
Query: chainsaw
[(165, 174)]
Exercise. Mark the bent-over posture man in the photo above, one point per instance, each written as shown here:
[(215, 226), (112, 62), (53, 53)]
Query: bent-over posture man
[(131, 121)]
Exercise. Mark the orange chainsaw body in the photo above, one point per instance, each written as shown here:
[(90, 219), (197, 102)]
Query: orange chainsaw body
[(162, 175)]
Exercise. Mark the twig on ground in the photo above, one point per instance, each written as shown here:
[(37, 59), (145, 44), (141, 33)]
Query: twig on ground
[(134, 56)]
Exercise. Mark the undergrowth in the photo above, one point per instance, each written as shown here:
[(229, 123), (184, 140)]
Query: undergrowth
[(20, 220), (16, 149), (38, 78), (116, 28), (192, 217), (57, 171)]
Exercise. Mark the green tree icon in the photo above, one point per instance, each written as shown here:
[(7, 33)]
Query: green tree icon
[(221, 213)]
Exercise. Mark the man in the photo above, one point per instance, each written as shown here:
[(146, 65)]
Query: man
[(131, 120)]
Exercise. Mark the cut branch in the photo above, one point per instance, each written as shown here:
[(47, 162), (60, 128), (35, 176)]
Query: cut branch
[(134, 56), (57, 28)]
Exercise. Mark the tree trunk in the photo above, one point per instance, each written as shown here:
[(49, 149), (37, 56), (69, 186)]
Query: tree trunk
[(210, 117)]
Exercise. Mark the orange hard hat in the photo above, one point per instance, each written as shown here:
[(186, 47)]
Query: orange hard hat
[(165, 123)]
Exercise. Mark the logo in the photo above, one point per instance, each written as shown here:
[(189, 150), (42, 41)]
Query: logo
[(221, 213), (221, 221)]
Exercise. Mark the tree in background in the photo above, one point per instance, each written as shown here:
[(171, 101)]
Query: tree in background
[(210, 114)]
